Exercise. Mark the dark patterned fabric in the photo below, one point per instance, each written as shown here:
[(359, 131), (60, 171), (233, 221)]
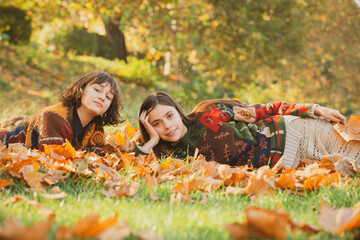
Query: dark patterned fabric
[(235, 135), (53, 125)]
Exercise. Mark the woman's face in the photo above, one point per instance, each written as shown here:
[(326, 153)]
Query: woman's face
[(96, 99), (167, 123)]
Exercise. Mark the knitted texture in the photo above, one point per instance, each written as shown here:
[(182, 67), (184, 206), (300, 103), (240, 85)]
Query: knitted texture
[(235, 135), (54, 125), (318, 138)]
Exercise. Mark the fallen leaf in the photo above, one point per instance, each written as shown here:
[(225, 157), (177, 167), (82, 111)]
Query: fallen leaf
[(54, 195), (351, 131), (261, 183), (4, 183), (88, 226), (34, 203), (15, 230), (118, 231), (339, 220), (261, 223), (122, 191)]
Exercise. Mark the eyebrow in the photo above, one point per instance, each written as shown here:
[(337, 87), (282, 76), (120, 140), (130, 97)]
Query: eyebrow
[(111, 90), (164, 116)]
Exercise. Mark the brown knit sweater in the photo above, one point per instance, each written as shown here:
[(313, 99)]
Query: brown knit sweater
[(53, 125)]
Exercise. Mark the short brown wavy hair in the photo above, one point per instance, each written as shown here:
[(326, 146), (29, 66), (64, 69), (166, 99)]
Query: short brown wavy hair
[(71, 96)]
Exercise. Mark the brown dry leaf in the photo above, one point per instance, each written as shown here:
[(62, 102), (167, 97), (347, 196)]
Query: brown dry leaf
[(211, 170), (339, 220), (15, 230), (4, 183), (171, 175), (150, 181), (18, 147), (261, 223), (317, 181), (35, 179), (166, 164), (88, 226), (54, 176), (310, 171), (243, 231), (182, 187), (351, 131), (198, 163), (154, 196), (345, 167), (54, 195), (36, 204), (122, 191), (147, 236), (309, 228), (261, 183), (235, 190), (271, 223), (205, 184), (118, 231), (60, 152), (286, 179), (178, 197), (234, 178)]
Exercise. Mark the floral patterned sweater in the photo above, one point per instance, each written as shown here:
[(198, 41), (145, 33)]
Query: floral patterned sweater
[(55, 125), (235, 135)]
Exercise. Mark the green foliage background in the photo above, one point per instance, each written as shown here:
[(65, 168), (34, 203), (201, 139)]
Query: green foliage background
[(253, 50)]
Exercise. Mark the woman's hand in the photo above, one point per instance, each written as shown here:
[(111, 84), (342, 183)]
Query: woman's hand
[(330, 114), (154, 136)]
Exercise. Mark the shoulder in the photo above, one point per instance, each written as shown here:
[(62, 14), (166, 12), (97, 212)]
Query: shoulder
[(59, 109)]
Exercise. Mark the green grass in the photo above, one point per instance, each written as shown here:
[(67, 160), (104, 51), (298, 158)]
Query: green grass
[(24, 68), (174, 221)]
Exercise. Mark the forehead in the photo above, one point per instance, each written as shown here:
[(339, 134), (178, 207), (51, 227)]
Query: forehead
[(160, 111)]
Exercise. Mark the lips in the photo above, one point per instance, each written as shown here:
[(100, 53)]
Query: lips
[(172, 133), (99, 104)]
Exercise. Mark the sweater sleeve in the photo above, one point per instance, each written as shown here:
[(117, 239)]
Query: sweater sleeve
[(256, 112)]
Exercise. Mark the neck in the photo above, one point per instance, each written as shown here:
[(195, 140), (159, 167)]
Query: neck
[(84, 116)]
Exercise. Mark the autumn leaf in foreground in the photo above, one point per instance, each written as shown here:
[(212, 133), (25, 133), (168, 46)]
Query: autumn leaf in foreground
[(261, 223), (89, 226), (4, 183), (339, 220), (15, 230), (33, 203), (351, 131)]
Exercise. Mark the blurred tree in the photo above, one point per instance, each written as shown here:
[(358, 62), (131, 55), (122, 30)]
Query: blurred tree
[(214, 45)]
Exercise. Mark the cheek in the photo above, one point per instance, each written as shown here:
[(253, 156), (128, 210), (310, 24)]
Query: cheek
[(159, 130)]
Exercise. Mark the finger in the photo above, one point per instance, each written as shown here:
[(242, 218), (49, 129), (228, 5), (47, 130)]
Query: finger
[(143, 116), (335, 119), (339, 116)]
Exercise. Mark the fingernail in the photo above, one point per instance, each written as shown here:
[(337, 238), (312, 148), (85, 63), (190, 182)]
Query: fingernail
[(341, 122)]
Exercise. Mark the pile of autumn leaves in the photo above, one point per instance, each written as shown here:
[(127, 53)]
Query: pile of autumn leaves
[(42, 170)]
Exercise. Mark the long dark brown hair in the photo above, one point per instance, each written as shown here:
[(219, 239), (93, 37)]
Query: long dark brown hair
[(165, 99), (71, 96)]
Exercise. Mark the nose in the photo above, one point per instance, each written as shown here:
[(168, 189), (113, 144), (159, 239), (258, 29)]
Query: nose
[(102, 96), (166, 124)]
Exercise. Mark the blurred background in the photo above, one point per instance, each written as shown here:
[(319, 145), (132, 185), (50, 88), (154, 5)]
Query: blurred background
[(253, 50)]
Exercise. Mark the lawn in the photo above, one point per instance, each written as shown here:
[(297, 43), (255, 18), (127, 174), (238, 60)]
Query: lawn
[(157, 198)]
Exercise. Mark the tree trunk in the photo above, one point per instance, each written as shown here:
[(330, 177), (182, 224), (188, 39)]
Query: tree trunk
[(117, 38)]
